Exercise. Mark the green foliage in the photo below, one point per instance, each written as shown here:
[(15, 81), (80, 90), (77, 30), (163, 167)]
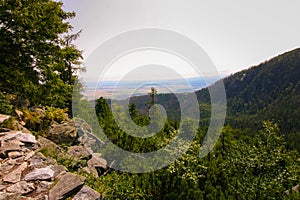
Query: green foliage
[(38, 60), (5, 105), (38, 119), (243, 165)]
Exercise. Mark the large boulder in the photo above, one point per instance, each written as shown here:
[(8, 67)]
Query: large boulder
[(62, 133), (67, 185)]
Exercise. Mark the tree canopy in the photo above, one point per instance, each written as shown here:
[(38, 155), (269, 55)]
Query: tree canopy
[(38, 60)]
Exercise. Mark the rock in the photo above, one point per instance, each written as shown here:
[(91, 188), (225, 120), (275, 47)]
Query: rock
[(6, 148), (59, 169), (7, 166), (40, 174), (15, 154), (29, 155), (37, 159), (21, 187), (87, 193), (15, 175), (43, 186), (17, 135), (79, 152), (96, 162), (62, 133), (13, 142), (3, 118), (9, 196), (44, 143), (85, 135), (67, 185)]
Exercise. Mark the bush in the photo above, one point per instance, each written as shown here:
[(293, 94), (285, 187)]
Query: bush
[(5, 105)]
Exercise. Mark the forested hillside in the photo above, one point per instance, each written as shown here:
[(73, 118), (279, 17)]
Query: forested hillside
[(269, 91)]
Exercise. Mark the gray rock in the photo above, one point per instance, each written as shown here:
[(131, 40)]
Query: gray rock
[(59, 169), (21, 187), (78, 152), (44, 143), (87, 193), (8, 147), (62, 133), (15, 175), (17, 135), (67, 185), (96, 162), (37, 159), (40, 174)]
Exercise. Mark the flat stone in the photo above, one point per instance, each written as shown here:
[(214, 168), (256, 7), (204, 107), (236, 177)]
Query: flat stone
[(15, 175), (40, 174), (21, 187), (87, 193), (5, 149), (23, 137), (67, 185)]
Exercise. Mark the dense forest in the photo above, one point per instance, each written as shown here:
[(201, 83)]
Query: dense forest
[(256, 155)]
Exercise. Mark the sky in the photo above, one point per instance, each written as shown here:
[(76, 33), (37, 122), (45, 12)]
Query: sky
[(235, 34)]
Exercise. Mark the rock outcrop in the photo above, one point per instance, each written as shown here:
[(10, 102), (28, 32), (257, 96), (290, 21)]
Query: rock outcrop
[(26, 173)]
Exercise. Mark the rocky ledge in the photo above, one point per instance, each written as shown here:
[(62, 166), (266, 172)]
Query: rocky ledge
[(26, 173)]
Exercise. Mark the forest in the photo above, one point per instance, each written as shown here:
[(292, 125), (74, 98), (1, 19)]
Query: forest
[(255, 157)]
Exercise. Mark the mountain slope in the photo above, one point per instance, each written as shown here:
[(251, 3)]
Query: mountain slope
[(269, 91)]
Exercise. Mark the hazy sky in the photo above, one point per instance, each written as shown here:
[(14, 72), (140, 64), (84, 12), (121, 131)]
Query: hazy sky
[(235, 34)]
